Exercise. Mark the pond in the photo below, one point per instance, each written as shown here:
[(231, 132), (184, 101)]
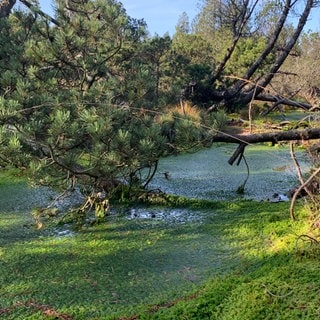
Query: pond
[(207, 174)]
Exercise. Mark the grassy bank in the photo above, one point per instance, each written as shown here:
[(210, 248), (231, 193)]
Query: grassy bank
[(239, 261)]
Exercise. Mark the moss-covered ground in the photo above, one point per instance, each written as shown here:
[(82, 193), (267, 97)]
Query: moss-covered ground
[(241, 260)]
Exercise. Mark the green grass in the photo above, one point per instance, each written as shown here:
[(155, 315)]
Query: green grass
[(240, 261)]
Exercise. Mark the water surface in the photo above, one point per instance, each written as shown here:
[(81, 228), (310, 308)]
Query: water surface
[(207, 174)]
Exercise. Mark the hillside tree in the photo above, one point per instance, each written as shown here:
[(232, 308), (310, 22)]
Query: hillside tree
[(230, 24)]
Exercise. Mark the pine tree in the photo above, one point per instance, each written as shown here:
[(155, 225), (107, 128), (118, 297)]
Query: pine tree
[(65, 109)]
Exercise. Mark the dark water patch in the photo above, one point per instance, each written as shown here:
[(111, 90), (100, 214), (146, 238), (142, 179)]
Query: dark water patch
[(19, 197), (168, 215)]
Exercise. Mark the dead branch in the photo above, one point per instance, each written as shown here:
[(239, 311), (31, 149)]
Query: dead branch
[(37, 10), (281, 100), (297, 192), (299, 173), (238, 154), (271, 294)]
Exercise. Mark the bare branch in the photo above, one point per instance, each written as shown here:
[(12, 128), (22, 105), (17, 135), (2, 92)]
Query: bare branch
[(281, 100), (37, 10), (290, 44), (298, 169), (297, 192), (271, 43)]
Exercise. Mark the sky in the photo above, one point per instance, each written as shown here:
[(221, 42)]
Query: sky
[(162, 16)]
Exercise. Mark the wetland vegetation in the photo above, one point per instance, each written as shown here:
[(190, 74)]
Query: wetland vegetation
[(116, 129), (203, 259)]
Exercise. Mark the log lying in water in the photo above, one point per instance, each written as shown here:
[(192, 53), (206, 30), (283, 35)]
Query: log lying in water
[(276, 136)]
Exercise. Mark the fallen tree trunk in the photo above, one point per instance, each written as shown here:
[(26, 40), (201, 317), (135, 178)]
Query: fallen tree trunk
[(274, 136), (244, 139), (292, 135), (281, 100)]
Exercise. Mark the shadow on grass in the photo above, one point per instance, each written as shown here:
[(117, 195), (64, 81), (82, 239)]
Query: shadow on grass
[(280, 286), (111, 268), (123, 265)]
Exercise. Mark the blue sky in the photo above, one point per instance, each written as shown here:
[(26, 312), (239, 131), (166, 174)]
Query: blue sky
[(162, 16)]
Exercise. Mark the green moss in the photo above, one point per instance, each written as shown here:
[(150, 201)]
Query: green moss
[(285, 291), (238, 260), (10, 176)]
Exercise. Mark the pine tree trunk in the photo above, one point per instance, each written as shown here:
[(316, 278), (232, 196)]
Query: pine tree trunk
[(6, 7)]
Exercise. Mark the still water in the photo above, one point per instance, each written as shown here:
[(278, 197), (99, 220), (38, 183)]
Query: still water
[(207, 174)]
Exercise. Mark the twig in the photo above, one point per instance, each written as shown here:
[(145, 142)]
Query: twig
[(302, 186), (299, 173), (275, 295), (311, 239)]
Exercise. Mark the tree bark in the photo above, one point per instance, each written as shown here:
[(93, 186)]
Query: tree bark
[(245, 139), (270, 45), (281, 100), (6, 7), (274, 137)]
